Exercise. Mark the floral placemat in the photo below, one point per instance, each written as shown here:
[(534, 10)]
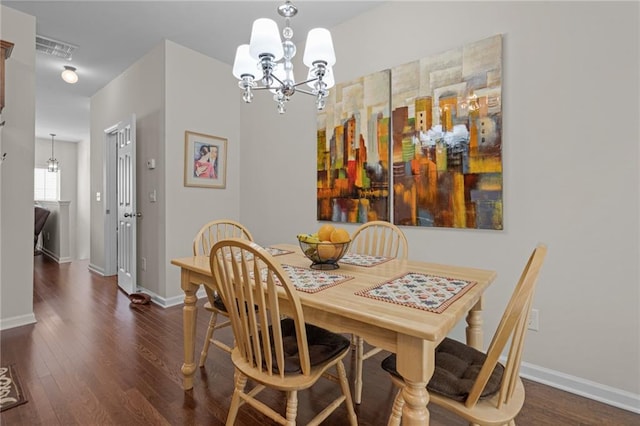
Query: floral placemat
[(309, 280), (427, 292), (273, 251), (363, 259)]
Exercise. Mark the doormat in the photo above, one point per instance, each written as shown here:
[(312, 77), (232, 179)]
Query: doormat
[(11, 394)]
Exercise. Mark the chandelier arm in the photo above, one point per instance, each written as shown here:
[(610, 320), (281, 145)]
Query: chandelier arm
[(306, 92), (276, 79), (305, 82)]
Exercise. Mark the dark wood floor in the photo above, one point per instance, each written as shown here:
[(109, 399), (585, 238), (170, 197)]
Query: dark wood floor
[(91, 359)]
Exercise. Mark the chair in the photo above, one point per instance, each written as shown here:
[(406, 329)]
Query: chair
[(282, 354), (376, 238), (40, 216), (204, 240), (472, 384)]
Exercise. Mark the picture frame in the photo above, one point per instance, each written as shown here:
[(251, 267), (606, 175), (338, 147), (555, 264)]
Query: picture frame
[(205, 160)]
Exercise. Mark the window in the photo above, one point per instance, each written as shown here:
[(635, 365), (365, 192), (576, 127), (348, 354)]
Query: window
[(46, 185)]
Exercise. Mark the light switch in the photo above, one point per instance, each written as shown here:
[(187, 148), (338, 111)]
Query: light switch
[(151, 163), (97, 196), (152, 196)]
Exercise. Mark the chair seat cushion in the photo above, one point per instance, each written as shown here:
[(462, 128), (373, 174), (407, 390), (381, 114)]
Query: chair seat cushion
[(456, 368), (218, 303), (323, 345)]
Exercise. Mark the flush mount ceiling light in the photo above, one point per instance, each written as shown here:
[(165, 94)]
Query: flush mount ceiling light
[(52, 164), (69, 74), (267, 59)]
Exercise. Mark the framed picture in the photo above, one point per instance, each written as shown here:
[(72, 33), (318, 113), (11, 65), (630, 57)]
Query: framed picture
[(205, 160)]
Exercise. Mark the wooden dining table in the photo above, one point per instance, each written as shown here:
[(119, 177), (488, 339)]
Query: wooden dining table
[(411, 333)]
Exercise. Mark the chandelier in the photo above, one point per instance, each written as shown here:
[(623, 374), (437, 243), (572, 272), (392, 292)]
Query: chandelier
[(265, 63), (52, 164)]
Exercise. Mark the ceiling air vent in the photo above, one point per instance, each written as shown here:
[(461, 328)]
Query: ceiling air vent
[(53, 47)]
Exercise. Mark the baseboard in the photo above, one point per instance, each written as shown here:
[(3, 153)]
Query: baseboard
[(98, 270), (21, 320), (18, 321), (579, 386), (55, 257), (171, 301)]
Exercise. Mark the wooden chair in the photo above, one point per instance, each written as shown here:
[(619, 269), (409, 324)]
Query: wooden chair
[(204, 240), (283, 354), (376, 238), (478, 388)]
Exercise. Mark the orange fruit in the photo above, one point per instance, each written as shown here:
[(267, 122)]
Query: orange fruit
[(326, 250), (340, 235), (324, 233)]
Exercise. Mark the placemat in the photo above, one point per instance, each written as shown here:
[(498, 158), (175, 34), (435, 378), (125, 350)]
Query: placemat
[(309, 280), (273, 251), (363, 259), (427, 292)]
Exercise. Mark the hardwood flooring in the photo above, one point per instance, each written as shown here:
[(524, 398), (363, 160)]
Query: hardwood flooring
[(91, 359)]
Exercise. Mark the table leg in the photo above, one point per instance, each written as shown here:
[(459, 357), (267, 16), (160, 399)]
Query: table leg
[(189, 313), (474, 327), (415, 362)]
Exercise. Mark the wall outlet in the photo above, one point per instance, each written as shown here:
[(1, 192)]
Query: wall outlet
[(143, 263), (534, 320)]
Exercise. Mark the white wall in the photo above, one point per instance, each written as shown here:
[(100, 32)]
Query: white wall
[(67, 155), (16, 171), (200, 97), (171, 89), (83, 200), (139, 90), (571, 167)]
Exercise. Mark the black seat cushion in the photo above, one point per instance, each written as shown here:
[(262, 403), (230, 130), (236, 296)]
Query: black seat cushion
[(456, 368), (218, 303), (323, 345)]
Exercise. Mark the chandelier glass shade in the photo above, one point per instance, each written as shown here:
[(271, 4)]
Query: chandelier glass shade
[(52, 163), (266, 62)]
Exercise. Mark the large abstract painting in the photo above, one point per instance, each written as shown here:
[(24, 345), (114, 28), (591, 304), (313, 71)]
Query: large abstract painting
[(353, 151), (447, 145)]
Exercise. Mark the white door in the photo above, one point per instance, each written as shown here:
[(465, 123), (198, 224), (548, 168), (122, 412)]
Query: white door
[(126, 201)]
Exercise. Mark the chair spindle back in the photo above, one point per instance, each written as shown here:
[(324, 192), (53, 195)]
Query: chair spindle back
[(247, 275), (513, 327), (380, 238), (217, 230)]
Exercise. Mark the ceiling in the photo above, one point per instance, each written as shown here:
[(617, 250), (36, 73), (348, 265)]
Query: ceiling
[(112, 35)]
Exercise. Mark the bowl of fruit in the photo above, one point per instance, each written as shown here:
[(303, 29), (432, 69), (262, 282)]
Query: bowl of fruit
[(325, 247)]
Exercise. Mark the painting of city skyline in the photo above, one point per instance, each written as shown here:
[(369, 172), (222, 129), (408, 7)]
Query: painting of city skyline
[(353, 151), (447, 138)]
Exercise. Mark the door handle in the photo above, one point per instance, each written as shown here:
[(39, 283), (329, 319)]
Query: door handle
[(138, 214)]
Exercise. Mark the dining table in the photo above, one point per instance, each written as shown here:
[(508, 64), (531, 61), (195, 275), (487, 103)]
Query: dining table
[(367, 299)]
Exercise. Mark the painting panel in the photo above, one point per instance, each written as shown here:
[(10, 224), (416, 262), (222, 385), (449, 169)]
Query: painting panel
[(353, 151), (205, 160), (447, 138)]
